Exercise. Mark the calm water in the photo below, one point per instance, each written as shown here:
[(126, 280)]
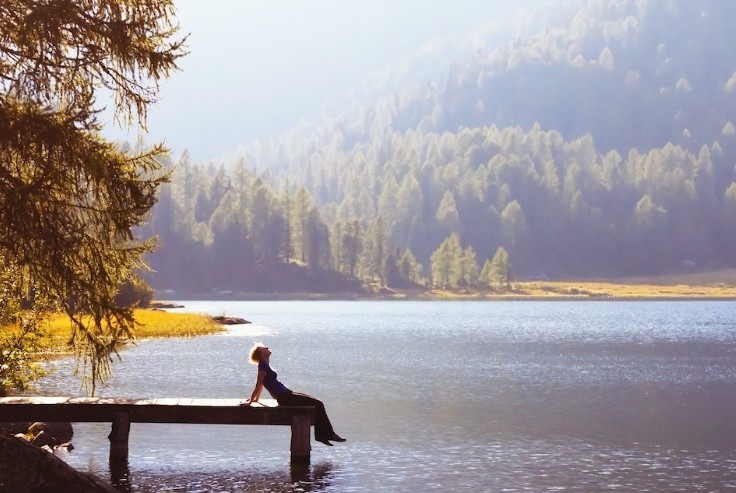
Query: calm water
[(446, 396)]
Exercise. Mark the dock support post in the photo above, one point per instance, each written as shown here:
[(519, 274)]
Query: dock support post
[(300, 439), (119, 437)]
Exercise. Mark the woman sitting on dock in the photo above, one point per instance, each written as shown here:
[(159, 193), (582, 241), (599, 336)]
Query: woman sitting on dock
[(267, 377)]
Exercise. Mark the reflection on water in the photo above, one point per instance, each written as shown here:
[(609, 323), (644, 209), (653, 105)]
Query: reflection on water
[(120, 474), (446, 396), (299, 479)]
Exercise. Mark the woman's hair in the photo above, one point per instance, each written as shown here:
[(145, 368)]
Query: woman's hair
[(255, 353)]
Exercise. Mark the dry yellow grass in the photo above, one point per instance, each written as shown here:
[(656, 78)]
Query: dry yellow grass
[(151, 323), (591, 289), (598, 290), (157, 323)]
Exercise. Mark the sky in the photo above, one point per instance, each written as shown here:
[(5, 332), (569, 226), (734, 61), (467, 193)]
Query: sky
[(256, 68)]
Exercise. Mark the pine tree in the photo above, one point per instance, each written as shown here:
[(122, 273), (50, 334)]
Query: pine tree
[(447, 262), (70, 199), (500, 269)]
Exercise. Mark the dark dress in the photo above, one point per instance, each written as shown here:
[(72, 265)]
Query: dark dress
[(285, 397)]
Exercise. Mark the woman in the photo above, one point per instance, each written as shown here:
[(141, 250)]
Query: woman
[(260, 355)]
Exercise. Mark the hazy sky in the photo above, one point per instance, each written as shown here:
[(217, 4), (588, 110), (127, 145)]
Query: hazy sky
[(257, 67)]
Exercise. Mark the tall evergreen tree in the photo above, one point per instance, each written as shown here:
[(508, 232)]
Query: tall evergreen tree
[(377, 250), (352, 247), (70, 199), (446, 262), (500, 269)]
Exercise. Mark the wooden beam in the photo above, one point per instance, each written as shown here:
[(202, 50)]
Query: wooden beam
[(122, 412), (213, 411)]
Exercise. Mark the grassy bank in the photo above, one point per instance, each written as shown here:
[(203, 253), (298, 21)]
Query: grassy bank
[(528, 290), (151, 323), (552, 290), (718, 285)]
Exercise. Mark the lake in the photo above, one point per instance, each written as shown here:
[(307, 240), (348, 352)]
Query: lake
[(481, 396)]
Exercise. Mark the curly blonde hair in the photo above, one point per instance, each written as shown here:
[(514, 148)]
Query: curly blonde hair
[(255, 353)]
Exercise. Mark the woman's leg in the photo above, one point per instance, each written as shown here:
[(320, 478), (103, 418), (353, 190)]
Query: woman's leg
[(322, 426)]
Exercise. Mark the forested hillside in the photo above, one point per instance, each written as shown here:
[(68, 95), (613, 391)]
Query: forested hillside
[(601, 146)]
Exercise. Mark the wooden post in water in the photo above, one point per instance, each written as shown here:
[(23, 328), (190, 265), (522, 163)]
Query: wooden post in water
[(119, 436), (300, 439)]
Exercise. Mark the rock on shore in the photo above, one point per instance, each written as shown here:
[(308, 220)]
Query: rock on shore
[(26, 468), (225, 320)]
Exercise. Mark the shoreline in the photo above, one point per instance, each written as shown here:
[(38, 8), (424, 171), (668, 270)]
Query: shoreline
[(454, 297), (522, 291)]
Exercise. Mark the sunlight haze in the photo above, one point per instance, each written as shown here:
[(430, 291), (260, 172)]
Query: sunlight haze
[(257, 68)]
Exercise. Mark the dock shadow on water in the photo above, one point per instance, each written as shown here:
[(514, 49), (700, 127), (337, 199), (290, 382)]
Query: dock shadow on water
[(297, 478)]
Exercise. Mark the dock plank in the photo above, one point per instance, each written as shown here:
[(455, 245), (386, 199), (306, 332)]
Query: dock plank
[(147, 410), (226, 402), (167, 401), (121, 412), (85, 400), (45, 400), (144, 402)]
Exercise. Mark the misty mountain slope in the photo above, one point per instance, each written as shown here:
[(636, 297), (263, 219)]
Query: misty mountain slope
[(599, 148), (652, 80), (633, 74)]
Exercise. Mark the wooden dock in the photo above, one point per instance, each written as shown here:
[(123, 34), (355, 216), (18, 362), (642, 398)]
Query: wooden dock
[(122, 412)]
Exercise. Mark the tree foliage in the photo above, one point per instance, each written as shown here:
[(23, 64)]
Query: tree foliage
[(21, 333), (69, 200), (500, 269)]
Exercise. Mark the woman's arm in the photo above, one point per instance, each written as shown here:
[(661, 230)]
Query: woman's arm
[(258, 388)]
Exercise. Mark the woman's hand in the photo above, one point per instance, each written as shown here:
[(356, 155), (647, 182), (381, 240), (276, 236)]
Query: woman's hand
[(256, 390)]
